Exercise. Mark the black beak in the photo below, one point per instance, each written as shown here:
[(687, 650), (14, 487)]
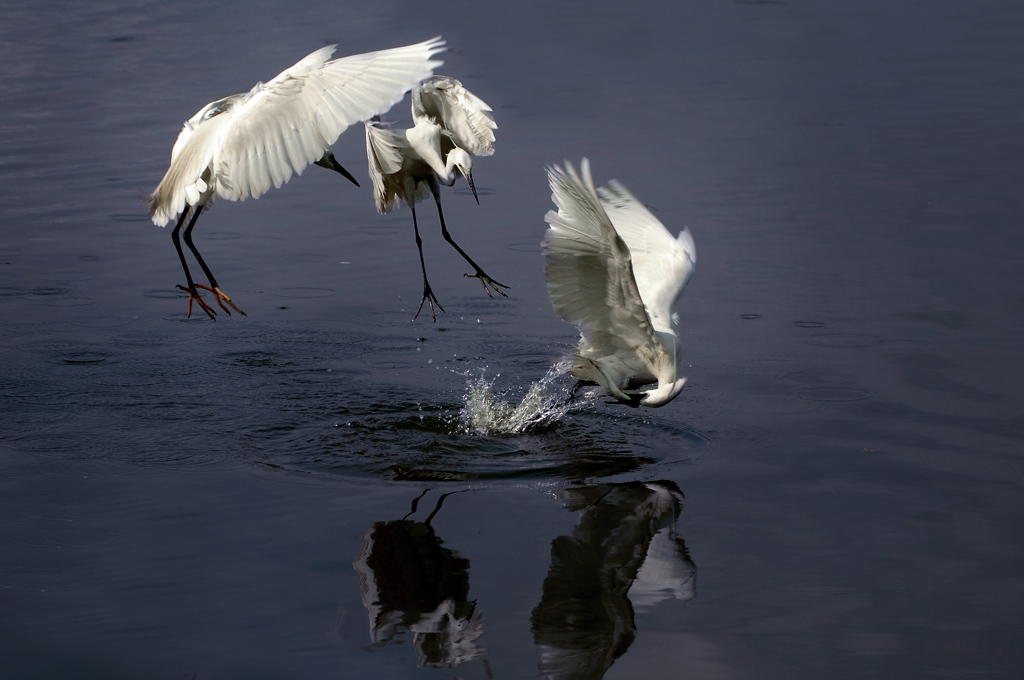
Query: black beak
[(472, 187), (336, 166), (331, 163)]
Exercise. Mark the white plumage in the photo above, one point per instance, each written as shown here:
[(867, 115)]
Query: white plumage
[(615, 271), (451, 126), (443, 101), (241, 146)]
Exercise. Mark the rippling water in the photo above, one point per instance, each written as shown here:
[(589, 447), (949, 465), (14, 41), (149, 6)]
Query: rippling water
[(324, 487)]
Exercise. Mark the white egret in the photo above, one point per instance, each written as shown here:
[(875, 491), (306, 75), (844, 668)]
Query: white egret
[(238, 147), (451, 126), (614, 270)]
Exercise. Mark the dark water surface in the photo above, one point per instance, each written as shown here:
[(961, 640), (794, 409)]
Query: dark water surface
[(294, 493)]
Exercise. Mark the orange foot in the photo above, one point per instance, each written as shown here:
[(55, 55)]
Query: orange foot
[(194, 295), (219, 295)]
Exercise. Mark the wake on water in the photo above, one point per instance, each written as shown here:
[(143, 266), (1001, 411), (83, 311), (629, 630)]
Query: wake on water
[(545, 402)]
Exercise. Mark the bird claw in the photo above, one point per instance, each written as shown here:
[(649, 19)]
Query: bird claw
[(219, 295), (428, 296), (484, 280), (194, 295)]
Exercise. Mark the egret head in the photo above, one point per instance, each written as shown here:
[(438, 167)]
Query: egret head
[(664, 393), (670, 383), (461, 159)]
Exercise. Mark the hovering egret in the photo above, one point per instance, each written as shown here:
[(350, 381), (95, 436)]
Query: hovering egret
[(451, 126), (238, 147), (615, 271)]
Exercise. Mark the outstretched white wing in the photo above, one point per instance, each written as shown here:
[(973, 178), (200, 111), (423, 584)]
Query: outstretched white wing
[(242, 145), (589, 273), (662, 265), (446, 102), (293, 120)]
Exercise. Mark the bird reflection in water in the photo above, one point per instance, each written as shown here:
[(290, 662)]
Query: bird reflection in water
[(623, 556), (409, 581)]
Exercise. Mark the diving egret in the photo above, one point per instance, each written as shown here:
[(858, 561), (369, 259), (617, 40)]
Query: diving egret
[(238, 147), (451, 126), (615, 271)]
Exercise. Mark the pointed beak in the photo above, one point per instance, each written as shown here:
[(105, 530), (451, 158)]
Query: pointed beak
[(336, 166), (331, 163), (472, 187)]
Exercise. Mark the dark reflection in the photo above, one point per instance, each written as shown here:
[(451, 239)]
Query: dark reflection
[(623, 556), (408, 581)]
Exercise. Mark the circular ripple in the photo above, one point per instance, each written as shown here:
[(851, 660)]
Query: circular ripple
[(165, 294), (834, 394), (808, 324), (52, 345), (67, 275), (49, 345), (750, 317), (178, 462), (69, 302), (775, 365), (85, 358), (142, 339), (409, 442), (81, 468), (769, 405), (102, 321), (7, 291), (815, 378)]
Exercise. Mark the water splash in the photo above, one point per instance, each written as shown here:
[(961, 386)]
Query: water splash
[(545, 403)]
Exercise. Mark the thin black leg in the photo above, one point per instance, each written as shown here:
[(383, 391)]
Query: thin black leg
[(193, 294), (480, 273), (220, 296), (428, 294), (195, 251)]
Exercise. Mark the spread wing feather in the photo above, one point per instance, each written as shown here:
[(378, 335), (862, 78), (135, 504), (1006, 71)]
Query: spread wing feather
[(384, 153), (662, 265), (291, 121), (588, 269), (241, 146), (461, 113)]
